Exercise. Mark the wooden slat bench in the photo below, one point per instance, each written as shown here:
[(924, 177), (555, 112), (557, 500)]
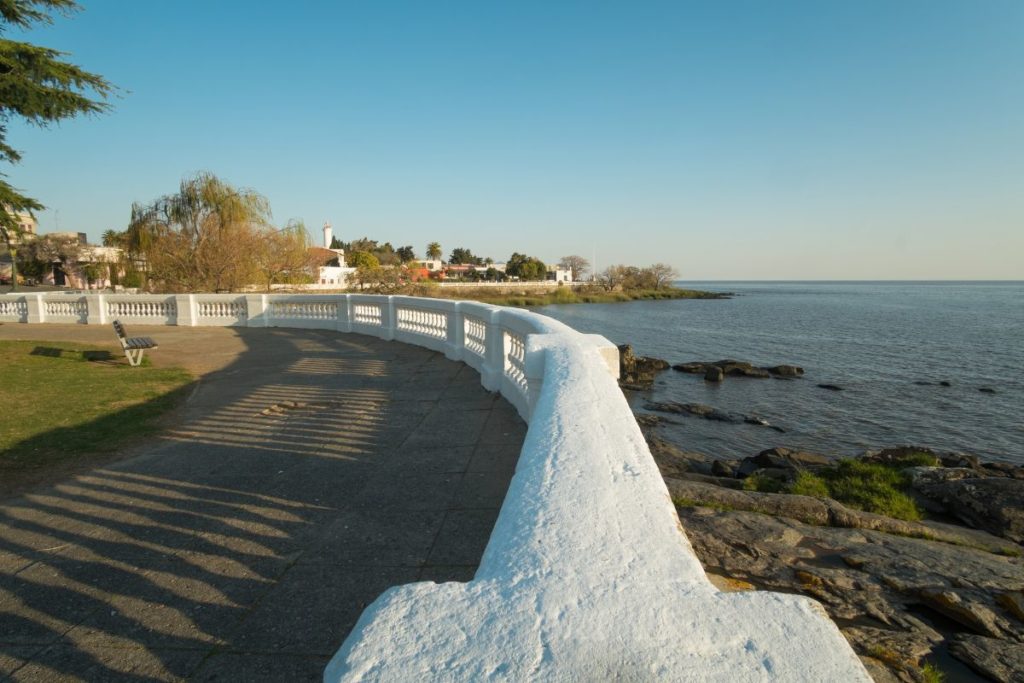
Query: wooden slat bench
[(133, 347)]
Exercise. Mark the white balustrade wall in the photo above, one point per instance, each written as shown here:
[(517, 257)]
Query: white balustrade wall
[(587, 575)]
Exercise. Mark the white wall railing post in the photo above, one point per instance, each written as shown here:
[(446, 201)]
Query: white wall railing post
[(186, 312), (456, 333), (494, 365), (36, 308), (96, 309), (257, 310), (389, 319), (344, 312)]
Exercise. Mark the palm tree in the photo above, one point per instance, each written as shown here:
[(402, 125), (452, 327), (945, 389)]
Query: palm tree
[(434, 251), (113, 238)]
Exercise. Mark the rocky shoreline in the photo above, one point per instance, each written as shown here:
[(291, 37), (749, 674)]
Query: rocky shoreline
[(938, 598)]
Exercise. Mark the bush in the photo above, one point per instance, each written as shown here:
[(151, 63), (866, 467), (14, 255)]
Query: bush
[(564, 295), (133, 278), (872, 487)]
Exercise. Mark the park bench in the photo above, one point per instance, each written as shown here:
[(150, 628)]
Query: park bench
[(133, 347)]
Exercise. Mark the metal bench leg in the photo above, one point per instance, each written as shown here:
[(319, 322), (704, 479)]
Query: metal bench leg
[(134, 357)]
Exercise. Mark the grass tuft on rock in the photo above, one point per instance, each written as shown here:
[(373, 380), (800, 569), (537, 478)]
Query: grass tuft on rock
[(807, 484), (872, 487), (931, 674), (764, 484)]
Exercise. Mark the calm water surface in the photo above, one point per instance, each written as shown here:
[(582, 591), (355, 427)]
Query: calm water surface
[(873, 339)]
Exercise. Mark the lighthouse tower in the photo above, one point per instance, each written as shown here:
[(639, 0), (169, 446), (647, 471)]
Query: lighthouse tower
[(327, 235)]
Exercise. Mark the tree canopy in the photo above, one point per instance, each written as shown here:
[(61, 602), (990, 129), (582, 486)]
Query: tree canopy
[(203, 237), (657, 276), (578, 265), (462, 256), (40, 87), (406, 253), (283, 254), (362, 259), (525, 267)]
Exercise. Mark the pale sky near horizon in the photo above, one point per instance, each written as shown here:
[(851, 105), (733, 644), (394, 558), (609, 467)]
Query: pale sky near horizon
[(733, 140)]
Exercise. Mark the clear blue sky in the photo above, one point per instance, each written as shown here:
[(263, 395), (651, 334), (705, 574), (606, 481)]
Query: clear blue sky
[(750, 140)]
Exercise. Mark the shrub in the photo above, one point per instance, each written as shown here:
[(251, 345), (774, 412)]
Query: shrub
[(564, 295), (871, 487)]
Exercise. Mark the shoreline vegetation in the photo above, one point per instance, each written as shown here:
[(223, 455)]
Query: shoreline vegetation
[(917, 556), (521, 297)]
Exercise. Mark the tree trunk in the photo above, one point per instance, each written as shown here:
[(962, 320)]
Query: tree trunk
[(14, 267)]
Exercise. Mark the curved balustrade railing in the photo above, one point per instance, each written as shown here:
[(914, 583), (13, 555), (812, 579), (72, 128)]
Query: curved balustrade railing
[(587, 575), (141, 309), (13, 310)]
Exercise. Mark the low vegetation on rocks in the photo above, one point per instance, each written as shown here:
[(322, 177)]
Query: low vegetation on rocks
[(869, 486)]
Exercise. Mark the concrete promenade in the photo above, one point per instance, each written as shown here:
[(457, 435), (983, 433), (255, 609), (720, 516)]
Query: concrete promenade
[(307, 472)]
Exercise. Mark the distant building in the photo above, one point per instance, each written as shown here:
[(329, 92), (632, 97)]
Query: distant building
[(27, 223), (331, 271), (94, 266), (80, 237), (557, 274)]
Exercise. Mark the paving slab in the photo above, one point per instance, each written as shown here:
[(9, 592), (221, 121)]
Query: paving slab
[(308, 472)]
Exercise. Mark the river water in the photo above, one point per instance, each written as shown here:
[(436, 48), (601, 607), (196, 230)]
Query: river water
[(874, 339)]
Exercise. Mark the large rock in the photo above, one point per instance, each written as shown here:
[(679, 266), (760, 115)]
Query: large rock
[(897, 649), (692, 368), (714, 374), (780, 456), (973, 614), (737, 368), (638, 372), (900, 454), (923, 477), (674, 461), (1002, 469), (649, 420), (994, 504), (708, 413), (999, 660), (825, 511), (786, 370)]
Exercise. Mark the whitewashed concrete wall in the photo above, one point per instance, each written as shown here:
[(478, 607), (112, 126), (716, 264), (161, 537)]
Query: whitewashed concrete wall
[(588, 575)]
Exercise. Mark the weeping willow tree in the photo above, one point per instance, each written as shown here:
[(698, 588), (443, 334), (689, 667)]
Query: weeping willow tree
[(38, 86), (283, 256), (203, 238)]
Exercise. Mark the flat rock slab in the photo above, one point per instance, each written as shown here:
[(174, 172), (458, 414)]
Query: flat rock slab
[(309, 472)]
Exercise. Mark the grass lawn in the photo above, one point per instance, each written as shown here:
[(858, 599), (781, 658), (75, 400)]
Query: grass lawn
[(64, 402)]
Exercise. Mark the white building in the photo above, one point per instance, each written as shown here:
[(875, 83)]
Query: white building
[(559, 274)]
